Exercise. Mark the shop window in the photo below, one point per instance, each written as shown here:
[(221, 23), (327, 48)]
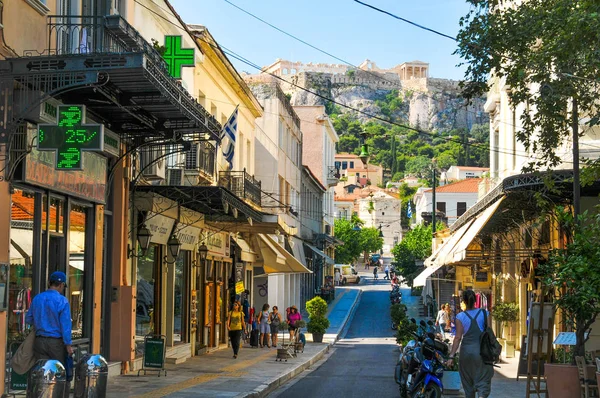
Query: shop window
[(21, 271), (179, 321), (56, 219), (76, 272), (145, 308)]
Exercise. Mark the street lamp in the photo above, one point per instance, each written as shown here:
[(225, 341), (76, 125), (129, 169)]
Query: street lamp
[(433, 221), (203, 252), (173, 247), (364, 149), (143, 237)]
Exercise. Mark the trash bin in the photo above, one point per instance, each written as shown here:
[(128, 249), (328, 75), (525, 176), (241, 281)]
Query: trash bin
[(91, 377), (47, 379)]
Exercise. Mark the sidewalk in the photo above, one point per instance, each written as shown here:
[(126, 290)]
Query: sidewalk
[(254, 374)]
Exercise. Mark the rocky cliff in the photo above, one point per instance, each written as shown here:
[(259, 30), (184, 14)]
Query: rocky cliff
[(428, 103)]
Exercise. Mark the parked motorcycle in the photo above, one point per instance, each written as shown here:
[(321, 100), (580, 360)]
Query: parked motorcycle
[(395, 295), (419, 369)]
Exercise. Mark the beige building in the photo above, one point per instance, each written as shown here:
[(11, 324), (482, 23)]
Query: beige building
[(353, 169)]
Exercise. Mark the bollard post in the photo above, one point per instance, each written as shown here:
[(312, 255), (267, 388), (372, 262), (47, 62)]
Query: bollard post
[(47, 379), (91, 377)]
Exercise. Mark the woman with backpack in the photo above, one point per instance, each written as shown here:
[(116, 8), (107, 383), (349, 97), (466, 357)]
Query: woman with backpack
[(475, 375)]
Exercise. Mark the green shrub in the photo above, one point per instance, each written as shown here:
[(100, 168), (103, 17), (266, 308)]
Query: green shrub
[(316, 307), (317, 325), (405, 327), (505, 312)]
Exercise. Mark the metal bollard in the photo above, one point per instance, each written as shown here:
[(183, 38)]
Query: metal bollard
[(91, 377), (47, 379)]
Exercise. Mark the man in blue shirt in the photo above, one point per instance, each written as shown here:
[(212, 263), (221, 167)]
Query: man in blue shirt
[(50, 314)]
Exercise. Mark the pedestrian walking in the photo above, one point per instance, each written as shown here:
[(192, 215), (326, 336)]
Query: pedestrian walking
[(442, 320), (475, 375), (235, 325), (387, 272), (276, 320), (293, 317), (50, 314), (264, 326), (375, 272), (247, 315)]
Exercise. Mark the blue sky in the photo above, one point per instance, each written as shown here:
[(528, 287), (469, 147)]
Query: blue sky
[(343, 28)]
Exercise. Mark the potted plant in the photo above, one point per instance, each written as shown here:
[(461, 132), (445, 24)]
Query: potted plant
[(317, 322), (572, 276), (405, 328), (506, 313)]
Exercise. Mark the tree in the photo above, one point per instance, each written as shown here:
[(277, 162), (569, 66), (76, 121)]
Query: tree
[(348, 143), (547, 53), (350, 251), (573, 274), (419, 167), (370, 241), (416, 245), (445, 160)]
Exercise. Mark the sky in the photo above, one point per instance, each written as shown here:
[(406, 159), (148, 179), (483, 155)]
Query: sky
[(343, 28)]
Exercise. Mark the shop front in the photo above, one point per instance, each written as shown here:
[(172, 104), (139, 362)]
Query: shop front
[(57, 223)]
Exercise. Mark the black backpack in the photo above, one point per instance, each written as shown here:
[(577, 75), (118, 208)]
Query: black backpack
[(489, 348)]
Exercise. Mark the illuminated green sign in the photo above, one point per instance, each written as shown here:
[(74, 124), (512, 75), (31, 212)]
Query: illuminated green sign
[(70, 136), (177, 57)]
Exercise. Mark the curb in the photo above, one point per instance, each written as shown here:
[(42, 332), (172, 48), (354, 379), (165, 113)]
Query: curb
[(266, 389)]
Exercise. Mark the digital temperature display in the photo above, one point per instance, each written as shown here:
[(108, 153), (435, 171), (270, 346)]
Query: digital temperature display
[(70, 136)]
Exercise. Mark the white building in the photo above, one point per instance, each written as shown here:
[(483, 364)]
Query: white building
[(451, 199), (382, 210), (279, 168), (455, 173)]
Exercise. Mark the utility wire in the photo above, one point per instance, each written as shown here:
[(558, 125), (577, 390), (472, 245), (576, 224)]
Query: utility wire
[(406, 20)]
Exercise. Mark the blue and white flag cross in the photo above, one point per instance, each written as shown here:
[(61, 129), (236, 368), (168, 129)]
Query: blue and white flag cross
[(409, 211), (228, 134)]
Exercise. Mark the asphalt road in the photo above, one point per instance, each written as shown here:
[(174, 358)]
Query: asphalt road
[(362, 363)]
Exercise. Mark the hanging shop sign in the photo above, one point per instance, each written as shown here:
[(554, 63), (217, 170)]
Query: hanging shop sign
[(89, 184), (177, 57), (188, 237), (216, 242), (70, 137), (160, 227)]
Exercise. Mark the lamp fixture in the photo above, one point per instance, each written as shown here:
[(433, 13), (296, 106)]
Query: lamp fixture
[(173, 247), (380, 231), (364, 149), (143, 237), (202, 253)]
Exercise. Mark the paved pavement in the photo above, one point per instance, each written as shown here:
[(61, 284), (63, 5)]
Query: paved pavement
[(254, 374)]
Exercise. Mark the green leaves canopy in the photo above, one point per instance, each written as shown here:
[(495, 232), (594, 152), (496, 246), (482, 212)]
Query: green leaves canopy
[(355, 242), (547, 53), (415, 245)]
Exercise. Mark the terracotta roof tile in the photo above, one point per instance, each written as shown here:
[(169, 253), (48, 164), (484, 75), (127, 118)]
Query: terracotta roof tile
[(468, 185)]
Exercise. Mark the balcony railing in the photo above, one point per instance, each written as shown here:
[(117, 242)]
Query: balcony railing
[(333, 172), (242, 184), (202, 158)]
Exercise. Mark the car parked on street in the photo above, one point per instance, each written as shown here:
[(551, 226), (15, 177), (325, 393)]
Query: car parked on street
[(346, 273)]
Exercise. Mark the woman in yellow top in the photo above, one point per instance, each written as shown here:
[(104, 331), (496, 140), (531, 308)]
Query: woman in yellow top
[(235, 325)]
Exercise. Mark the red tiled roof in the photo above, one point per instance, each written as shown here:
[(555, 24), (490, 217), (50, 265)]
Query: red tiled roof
[(22, 210), (470, 185)]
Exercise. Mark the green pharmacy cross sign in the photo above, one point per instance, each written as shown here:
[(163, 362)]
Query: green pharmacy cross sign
[(177, 57), (70, 136)]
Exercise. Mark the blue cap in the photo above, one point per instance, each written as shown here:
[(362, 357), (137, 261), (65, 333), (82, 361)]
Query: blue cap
[(58, 276)]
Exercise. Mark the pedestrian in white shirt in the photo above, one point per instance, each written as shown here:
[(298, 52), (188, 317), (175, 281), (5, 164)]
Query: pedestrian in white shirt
[(442, 320), (387, 272)]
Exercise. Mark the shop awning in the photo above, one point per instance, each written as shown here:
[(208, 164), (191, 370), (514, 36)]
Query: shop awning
[(247, 253), (277, 259), (459, 252), (298, 249), (328, 260), (421, 279), (441, 254)]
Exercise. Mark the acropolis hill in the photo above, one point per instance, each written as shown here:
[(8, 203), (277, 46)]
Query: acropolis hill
[(430, 103)]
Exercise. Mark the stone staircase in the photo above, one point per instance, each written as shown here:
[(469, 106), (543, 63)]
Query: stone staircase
[(114, 369)]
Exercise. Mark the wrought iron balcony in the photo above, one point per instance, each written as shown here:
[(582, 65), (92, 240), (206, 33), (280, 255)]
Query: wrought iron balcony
[(201, 160), (106, 64), (333, 175), (242, 184)]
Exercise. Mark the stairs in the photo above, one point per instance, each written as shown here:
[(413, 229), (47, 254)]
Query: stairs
[(114, 369), (178, 354)]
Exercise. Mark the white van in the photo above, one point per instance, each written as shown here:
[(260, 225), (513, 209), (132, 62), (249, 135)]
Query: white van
[(347, 272)]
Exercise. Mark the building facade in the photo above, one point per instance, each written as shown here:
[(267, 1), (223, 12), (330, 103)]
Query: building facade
[(452, 200)]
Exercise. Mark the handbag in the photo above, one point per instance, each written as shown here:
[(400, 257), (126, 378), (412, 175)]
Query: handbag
[(24, 357)]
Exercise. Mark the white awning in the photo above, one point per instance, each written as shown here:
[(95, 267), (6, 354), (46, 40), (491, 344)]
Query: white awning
[(441, 254), (459, 252), (277, 259), (248, 254), (328, 260), (421, 279)]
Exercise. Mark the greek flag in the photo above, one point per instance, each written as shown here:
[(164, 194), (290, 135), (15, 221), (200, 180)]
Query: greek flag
[(409, 211), (228, 137)]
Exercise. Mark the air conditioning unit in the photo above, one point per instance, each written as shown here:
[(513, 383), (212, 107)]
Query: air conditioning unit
[(175, 176), (175, 158), (192, 158), (153, 163)]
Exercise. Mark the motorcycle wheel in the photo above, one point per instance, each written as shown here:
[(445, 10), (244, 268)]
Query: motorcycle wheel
[(403, 391), (431, 391)]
